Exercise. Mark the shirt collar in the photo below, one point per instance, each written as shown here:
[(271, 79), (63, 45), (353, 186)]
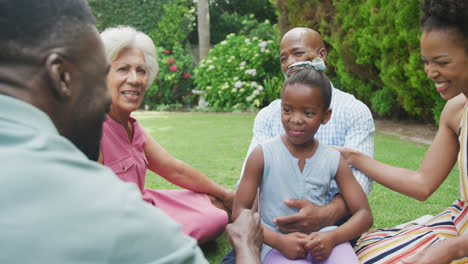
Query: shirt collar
[(20, 112)]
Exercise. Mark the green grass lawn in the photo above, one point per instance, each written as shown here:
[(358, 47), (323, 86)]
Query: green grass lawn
[(216, 145)]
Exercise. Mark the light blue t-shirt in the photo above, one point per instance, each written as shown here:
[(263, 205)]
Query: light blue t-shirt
[(283, 180), (57, 206)]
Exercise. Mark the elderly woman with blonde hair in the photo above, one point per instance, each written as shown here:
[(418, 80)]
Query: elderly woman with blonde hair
[(203, 206)]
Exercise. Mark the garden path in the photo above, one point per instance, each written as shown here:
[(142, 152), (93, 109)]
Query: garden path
[(407, 130)]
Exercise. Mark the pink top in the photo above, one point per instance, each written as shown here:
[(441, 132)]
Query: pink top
[(126, 159)]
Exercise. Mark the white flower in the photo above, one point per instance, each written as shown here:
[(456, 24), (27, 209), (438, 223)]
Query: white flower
[(202, 65), (223, 42), (252, 72), (242, 64), (238, 84), (260, 88), (255, 38), (248, 99), (211, 67), (236, 78), (234, 90), (256, 92), (254, 84), (263, 44), (247, 40), (209, 88), (209, 61), (262, 49), (241, 90)]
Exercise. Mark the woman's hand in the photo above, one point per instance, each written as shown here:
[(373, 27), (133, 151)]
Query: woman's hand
[(228, 199), (345, 152), (292, 245), (320, 245), (439, 253)]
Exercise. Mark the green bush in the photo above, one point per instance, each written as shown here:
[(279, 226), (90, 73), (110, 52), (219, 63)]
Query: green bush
[(167, 22), (226, 17), (176, 23), (373, 49), (240, 72), (175, 79)]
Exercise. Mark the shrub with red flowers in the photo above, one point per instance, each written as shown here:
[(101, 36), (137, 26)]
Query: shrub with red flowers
[(174, 83)]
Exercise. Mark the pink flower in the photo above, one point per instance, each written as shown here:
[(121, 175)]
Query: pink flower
[(186, 75), (173, 68), (159, 94), (170, 61), (167, 51)]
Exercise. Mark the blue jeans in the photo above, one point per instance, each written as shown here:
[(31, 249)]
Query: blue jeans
[(230, 258)]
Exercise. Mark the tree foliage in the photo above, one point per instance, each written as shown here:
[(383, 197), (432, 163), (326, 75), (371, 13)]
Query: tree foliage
[(373, 51)]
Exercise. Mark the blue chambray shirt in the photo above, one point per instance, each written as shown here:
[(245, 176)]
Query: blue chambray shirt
[(351, 125), (60, 207)]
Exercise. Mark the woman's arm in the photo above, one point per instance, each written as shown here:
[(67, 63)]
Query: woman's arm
[(443, 252), (182, 174), (436, 165)]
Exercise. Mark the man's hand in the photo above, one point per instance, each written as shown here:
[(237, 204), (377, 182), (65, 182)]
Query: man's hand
[(310, 218), (246, 233), (292, 245), (320, 245)]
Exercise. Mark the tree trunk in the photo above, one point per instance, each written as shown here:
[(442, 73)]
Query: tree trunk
[(203, 28)]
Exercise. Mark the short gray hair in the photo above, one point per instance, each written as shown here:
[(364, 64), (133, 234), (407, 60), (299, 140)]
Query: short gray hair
[(116, 39)]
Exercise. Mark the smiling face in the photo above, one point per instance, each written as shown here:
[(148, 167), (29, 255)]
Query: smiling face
[(302, 113), (127, 81), (445, 61), (300, 44)]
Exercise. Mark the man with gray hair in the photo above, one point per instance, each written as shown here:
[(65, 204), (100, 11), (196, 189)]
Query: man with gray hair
[(58, 205)]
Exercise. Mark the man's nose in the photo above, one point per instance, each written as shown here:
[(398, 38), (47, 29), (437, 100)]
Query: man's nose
[(291, 61)]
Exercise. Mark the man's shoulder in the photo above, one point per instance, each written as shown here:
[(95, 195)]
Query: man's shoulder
[(272, 107), (88, 198), (348, 104), (269, 113)]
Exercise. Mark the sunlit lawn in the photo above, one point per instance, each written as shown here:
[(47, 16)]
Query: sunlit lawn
[(216, 145)]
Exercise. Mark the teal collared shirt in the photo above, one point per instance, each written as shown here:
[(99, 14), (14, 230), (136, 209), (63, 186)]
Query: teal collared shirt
[(57, 206)]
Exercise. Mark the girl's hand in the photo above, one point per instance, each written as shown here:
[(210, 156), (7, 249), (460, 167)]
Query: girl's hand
[(292, 245), (320, 245)]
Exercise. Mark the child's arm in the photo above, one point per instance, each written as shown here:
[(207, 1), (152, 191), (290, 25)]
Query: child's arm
[(247, 190), (290, 245), (322, 243)]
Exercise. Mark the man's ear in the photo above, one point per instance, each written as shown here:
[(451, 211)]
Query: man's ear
[(58, 70), (326, 116), (323, 53)]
